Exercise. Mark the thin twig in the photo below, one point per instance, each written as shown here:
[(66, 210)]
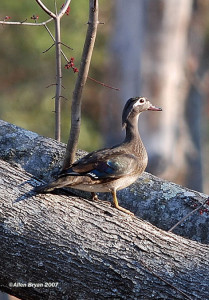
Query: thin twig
[(23, 21), (49, 48), (55, 6), (48, 11), (26, 23), (63, 54), (103, 84), (63, 97), (59, 97), (51, 35), (188, 215), (164, 280), (52, 84), (66, 46)]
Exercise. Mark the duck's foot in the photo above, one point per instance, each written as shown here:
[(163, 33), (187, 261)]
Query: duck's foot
[(116, 205), (124, 210), (94, 196)]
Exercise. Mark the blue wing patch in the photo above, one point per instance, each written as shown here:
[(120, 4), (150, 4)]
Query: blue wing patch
[(104, 169)]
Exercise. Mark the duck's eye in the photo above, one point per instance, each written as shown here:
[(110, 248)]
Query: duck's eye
[(141, 100)]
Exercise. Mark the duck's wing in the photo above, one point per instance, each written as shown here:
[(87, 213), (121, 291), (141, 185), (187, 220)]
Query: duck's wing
[(101, 165)]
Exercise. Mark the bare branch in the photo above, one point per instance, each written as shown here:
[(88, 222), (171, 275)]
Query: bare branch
[(188, 215), (103, 84), (49, 12), (63, 97), (52, 84), (81, 80), (66, 46), (48, 48), (51, 35), (23, 21), (58, 81), (26, 23), (55, 6)]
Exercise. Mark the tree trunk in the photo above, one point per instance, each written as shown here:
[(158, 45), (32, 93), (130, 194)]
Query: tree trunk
[(66, 247), (80, 83), (124, 64)]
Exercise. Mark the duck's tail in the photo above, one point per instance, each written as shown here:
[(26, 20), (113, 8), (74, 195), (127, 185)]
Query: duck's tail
[(49, 187)]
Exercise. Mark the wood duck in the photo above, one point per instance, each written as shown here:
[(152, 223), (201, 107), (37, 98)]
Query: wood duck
[(110, 169)]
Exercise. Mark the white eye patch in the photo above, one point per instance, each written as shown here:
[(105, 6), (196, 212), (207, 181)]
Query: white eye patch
[(141, 101)]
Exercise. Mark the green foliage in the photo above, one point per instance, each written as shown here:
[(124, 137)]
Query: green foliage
[(25, 71)]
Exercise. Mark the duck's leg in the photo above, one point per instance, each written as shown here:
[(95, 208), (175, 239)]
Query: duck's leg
[(115, 202), (94, 196)]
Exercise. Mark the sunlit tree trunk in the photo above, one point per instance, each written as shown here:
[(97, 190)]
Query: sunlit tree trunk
[(124, 66), (164, 81)]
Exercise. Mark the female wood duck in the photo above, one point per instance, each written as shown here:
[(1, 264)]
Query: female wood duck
[(110, 169)]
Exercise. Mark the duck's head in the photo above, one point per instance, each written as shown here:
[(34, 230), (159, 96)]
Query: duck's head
[(134, 106)]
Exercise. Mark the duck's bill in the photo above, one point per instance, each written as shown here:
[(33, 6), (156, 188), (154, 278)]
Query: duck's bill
[(152, 107)]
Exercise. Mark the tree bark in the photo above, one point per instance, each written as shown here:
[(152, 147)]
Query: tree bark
[(67, 247), (88, 250)]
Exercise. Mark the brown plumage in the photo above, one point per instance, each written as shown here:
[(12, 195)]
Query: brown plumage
[(110, 169)]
